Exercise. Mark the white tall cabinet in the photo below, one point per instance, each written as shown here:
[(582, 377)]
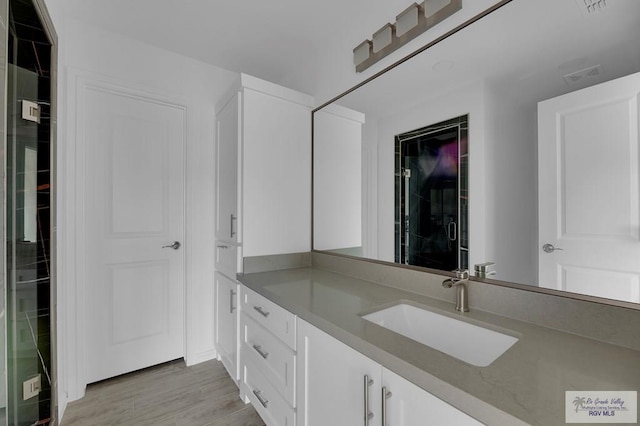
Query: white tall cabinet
[(263, 190)]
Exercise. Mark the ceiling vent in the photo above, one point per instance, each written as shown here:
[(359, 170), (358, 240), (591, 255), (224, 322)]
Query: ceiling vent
[(579, 76), (590, 7)]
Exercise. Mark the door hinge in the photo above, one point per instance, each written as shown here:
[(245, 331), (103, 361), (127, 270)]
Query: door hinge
[(31, 387), (31, 111), (406, 173)]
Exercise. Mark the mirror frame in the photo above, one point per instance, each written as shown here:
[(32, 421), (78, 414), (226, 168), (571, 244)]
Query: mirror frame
[(525, 287)]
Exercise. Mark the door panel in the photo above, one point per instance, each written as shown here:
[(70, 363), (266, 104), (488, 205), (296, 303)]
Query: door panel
[(226, 320), (227, 145), (602, 283), (133, 285), (588, 186), (138, 205), (134, 207)]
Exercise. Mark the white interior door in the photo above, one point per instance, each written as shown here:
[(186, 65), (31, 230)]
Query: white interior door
[(134, 195), (588, 186)]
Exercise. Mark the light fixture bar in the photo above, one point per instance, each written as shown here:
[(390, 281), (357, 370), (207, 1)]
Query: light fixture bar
[(413, 21)]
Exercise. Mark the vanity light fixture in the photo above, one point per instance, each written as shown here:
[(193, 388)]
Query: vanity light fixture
[(383, 37), (362, 52), (408, 19), (432, 7), (410, 23)]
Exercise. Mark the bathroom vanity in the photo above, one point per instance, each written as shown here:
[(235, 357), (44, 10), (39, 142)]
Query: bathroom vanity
[(327, 360)]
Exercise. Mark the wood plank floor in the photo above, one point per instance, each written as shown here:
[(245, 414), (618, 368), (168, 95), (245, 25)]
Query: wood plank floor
[(170, 394)]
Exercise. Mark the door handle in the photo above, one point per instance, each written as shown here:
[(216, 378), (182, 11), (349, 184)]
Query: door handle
[(231, 231), (452, 231), (175, 245), (549, 248), (385, 395), (232, 294), (368, 415)]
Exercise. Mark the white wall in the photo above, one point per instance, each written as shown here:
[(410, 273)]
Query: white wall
[(502, 175), (332, 72), (92, 55)]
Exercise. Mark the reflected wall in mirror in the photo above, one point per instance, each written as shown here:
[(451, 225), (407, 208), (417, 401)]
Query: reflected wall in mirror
[(551, 93)]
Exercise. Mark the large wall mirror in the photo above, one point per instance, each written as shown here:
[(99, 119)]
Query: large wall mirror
[(509, 148)]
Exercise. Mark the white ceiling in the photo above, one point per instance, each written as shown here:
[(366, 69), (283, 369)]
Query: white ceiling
[(272, 39), (523, 49), (263, 38)]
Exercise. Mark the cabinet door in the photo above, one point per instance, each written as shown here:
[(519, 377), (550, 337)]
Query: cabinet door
[(331, 381), (227, 144), (226, 293), (409, 405), (276, 178)]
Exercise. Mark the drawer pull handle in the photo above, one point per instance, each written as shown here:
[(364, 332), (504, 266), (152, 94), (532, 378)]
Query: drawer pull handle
[(262, 353), (223, 247), (258, 394), (261, 311)]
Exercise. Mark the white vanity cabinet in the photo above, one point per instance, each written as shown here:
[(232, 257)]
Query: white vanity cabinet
[(331, 381), (268, 358), (263, 190), (407, 404), (337, 386), (226, 325)]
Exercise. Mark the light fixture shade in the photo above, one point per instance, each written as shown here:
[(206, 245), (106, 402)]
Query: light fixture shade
[(362, 52), (431, 7), (383, 37), (407, 20)]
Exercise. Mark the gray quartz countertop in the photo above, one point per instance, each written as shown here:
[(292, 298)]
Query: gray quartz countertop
[(526, 385)]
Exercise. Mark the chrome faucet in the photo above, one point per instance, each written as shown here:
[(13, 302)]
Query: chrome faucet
[(460, 282)]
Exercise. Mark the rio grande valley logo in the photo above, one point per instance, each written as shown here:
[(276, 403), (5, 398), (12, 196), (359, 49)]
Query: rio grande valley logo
[(601, 407)]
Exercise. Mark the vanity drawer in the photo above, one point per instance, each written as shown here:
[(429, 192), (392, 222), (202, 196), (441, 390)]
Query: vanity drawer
[(274, 359), (227, 256), (277, 320), (264, 398)]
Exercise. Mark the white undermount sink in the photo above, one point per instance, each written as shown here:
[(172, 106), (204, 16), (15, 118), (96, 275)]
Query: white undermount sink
[(468, 342)]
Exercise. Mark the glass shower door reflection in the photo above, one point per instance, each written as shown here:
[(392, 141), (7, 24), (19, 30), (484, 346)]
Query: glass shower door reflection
[(431, 196), (28, 247)]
